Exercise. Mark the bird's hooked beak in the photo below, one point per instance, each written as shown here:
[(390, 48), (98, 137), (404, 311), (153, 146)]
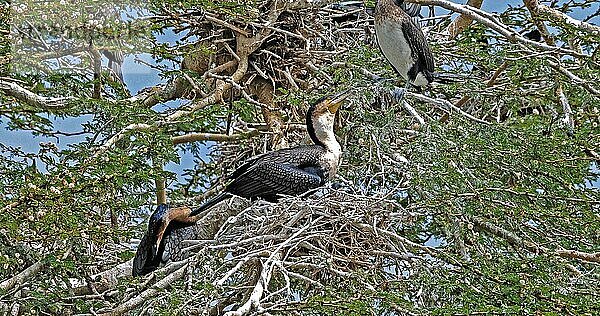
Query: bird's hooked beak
[(157, 225), (337, 100), (162, 218)]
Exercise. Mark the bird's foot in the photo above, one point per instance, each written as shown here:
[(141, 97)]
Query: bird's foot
[(398, 94), (380, 79)]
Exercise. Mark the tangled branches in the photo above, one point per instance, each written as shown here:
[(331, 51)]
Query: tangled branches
[(312, 245)]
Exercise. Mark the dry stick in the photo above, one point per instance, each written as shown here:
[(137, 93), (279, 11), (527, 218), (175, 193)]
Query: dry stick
[(142, 297), (22, 276), (491, 22), (196, 137), (447, 104), (229, 273), (517, 241), (377, 230), (573, 77), (574, 254), (228, 25), (413, 112), (103, 280), (261, 284), (24, 95)]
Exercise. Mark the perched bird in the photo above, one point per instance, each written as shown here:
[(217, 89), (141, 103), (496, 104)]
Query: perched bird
[(533, 35), (115, 62), (403, 43), (290, 171), (150, 253)]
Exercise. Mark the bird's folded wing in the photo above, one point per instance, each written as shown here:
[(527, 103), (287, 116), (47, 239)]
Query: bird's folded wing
[(142, 263), (296, 156), (269, 179), (418, 45)]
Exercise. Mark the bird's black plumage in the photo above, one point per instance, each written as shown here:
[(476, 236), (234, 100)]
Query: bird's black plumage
[(269, 176), (149, 256), (533, 35), (291, 171)]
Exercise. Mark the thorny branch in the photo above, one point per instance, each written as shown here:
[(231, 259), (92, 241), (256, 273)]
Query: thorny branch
[(531, 246)]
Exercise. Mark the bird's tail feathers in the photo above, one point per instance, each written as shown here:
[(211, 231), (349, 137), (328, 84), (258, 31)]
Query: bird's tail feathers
[(211, 202), (446, 77)]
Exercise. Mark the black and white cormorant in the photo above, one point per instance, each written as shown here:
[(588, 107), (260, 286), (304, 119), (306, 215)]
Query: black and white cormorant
[(115, 62), (290, 171), (403, 43)]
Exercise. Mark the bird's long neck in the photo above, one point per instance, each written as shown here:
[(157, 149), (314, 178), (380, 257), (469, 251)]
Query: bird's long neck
[(321, 133), (330, 142)]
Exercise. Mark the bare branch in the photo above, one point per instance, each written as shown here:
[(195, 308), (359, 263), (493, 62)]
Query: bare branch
[(22, 276), (573, 77), (546, 11), (447, 104), (493, 23), (26, 96), (196, 137), (142, 297), (519, 242)]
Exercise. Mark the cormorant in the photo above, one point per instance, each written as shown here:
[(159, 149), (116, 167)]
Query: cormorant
[(290, 171), (533, 35), (115, 62), (150, 253), (403, 43)]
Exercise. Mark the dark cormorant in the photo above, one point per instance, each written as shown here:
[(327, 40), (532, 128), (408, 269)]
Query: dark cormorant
[(115, 62), (533, 35), (290, 171), (403, 43)]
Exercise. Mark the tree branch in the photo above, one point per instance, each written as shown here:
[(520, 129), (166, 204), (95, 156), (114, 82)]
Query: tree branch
[(26, 96), (543, 10), (148, 293), (519, 242), (196, 137), (22, 276), (493, 23)]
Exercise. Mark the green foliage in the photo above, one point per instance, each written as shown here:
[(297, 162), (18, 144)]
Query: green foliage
[(78, 209)]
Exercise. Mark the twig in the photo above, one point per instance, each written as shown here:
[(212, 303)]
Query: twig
[(447, 104), (148, 293)]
